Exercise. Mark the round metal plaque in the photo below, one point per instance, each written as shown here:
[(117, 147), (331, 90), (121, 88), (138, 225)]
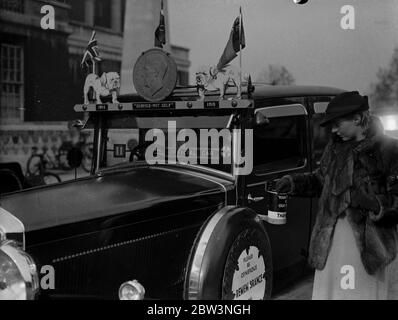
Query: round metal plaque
[(155, 75)]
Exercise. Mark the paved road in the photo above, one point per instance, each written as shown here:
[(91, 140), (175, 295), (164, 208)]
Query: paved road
[(300, 290)]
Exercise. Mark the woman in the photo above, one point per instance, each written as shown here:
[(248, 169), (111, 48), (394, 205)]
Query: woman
[(354, 240)]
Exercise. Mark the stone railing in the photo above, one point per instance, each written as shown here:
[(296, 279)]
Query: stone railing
[(17, 141), (12, 5)]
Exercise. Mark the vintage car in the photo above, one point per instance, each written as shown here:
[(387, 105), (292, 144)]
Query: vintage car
[(197, 229)]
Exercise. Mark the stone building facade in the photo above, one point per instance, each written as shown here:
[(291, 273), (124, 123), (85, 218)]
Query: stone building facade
[(40, 74)]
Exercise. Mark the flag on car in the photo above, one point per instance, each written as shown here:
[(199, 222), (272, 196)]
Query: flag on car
[(160, 33), (236, 43), (250, 87), (91, 51)]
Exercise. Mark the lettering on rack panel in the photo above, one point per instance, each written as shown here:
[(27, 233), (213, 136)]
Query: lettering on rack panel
[(101, 107), (154, 105), (211, 104)]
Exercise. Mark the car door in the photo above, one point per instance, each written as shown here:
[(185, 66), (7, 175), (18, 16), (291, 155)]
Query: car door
[(319, 138), (280, 148)]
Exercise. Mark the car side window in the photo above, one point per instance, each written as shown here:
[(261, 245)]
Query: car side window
[(320, 135), (320, 139), (280, 144)]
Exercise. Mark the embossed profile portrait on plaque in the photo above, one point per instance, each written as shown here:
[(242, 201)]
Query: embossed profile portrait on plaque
[(155, 75)]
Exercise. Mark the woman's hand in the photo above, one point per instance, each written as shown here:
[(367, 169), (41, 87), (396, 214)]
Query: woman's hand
[(284, 184)]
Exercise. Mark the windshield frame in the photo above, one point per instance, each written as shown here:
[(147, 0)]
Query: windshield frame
[(99, 121)]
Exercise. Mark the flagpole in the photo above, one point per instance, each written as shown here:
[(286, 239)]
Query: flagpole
[(240, 49), (162, 14), (92, 58)]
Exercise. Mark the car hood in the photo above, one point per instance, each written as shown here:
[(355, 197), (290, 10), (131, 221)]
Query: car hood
[(110, 192)]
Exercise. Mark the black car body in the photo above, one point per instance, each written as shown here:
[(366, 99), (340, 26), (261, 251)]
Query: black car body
[(180, 230)]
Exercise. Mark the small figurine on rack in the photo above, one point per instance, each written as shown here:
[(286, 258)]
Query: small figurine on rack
[(108, 83), (211, 79), (220, 76)]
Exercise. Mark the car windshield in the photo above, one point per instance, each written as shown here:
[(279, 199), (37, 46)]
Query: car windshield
[(199, 140)]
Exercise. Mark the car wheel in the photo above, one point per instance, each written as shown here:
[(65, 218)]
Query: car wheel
[(51, 178), (62, 157), (87, 157), (33, 166), (231, 258)]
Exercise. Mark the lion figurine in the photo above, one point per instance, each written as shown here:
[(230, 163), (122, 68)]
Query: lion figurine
[(211, 79), (108, 83)]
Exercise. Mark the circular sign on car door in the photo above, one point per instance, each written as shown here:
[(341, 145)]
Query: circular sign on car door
[(245, 269), (248, 282)]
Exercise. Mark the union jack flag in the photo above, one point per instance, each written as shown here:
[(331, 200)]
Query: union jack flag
[(91, 51)]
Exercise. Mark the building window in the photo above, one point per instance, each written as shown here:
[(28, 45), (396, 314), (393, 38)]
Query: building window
[(12, 86), (102, 16), (77, 12), (123, 13), (12, 5)]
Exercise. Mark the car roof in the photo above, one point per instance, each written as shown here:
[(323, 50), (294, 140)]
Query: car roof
[(262, 91)]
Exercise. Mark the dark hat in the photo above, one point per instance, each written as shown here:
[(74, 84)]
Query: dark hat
[(344, 104)]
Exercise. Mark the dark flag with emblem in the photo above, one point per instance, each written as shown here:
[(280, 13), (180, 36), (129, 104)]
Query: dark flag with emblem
[(236, 42), (91, 51), (160, 33), (250, 87)]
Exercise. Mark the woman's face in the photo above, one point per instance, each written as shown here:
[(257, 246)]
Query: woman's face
[(346, 129)]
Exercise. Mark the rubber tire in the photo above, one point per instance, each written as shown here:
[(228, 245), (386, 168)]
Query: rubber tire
[(87, 150), (51, 175), (30, 162), (62, 156), (219, 260)]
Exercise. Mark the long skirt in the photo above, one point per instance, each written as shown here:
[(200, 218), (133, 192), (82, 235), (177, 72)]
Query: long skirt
[(344, 276)]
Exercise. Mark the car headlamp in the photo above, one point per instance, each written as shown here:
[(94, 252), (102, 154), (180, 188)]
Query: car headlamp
[(131, 290), (18, 274)]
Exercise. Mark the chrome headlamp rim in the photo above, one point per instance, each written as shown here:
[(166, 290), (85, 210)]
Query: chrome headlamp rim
[(25, 264), (2, 236), (134, 285), (9, 224)]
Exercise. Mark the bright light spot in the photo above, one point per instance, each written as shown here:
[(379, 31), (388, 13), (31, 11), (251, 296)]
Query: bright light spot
[(390, 122)]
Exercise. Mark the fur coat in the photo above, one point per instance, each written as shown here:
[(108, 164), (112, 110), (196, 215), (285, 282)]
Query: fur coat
[(371, 164)]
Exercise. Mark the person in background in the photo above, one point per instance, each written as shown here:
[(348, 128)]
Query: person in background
[(354, 241)]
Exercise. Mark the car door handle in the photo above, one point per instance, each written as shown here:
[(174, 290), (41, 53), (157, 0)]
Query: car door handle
[(255, 199)]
